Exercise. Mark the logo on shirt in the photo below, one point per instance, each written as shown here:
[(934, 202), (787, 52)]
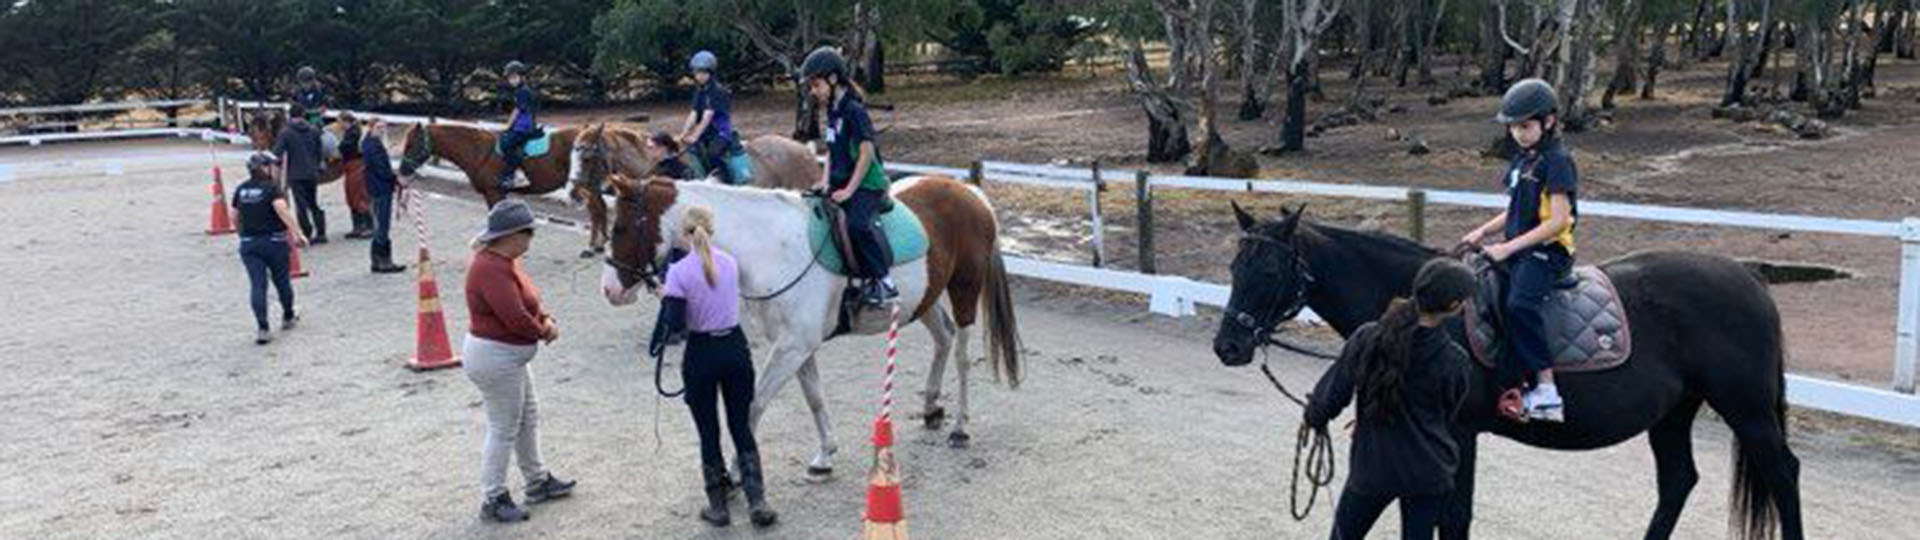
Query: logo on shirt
[(833, 131)]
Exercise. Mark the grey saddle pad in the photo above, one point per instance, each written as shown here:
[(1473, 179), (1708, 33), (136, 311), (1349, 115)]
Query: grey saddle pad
[(1587, 325)]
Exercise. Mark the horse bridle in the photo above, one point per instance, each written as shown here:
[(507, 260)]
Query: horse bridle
[(645, 272), (1262, 326), (408, 161)]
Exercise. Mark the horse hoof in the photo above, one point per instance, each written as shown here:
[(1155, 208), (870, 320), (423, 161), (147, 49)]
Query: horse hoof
[(958, 440), (586, 254), (935, 418), (819, 472)]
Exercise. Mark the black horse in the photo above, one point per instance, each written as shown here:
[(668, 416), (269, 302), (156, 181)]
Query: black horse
[(1705, 329)]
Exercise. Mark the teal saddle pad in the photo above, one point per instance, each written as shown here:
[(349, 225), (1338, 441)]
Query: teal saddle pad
[(536, 146), (905, 236)]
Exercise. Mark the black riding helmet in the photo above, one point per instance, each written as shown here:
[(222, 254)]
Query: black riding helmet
[(515, 68), (1527, 100), (822, 62)]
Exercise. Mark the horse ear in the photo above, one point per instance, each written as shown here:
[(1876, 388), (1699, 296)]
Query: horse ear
[(1247, 221), (1300, 210)]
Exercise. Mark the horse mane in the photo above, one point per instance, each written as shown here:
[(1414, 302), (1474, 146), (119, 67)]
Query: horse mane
[(1392, 242)]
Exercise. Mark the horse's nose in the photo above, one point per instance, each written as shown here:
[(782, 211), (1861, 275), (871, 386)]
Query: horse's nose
[(1228, 351)]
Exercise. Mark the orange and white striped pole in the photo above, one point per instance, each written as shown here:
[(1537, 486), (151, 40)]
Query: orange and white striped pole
[(431, 349), (886, 514)]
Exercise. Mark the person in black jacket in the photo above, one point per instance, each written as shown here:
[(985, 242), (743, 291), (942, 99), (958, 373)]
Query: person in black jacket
[(382, 184), (299, 148), (1410, 379)]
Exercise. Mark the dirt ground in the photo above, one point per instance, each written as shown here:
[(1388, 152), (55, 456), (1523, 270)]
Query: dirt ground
[(142, 409), (1667, 151)]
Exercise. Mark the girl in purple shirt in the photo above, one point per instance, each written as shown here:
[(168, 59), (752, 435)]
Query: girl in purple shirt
[(702, 300)]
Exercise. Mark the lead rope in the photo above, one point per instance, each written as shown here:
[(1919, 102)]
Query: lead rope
[(1317, 449)]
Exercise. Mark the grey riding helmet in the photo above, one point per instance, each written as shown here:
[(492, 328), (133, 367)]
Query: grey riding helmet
[(515, 68), (703, 61), (822, 62), (1527, 100)]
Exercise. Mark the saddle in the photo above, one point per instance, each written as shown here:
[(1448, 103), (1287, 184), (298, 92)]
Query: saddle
[(900, 231), (1587, 326), (535, 147)]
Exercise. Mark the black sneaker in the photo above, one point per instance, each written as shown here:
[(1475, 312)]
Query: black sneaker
[(288, 322), (317, 240), (551, 488), (262, 337), (502, 509)]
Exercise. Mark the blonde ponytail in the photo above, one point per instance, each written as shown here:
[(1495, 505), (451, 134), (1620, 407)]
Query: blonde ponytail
[(699, 232)]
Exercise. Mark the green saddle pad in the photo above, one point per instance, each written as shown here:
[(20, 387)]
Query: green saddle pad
[(536, 147), (905, 236)]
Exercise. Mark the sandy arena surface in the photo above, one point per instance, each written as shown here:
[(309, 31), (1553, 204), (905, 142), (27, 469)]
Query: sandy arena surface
[(141, 408)]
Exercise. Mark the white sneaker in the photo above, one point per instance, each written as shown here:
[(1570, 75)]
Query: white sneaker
[(1543, 403)]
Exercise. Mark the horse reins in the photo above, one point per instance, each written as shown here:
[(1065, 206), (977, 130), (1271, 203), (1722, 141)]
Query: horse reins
[(1312, 447)]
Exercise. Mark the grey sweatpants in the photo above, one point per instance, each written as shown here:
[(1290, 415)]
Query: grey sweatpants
[(500, 371)]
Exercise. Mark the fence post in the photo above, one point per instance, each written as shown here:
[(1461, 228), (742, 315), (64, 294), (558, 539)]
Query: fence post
[(1906, 350), (1143, 220), (1099, 222), (975, 175), (1417, 215)]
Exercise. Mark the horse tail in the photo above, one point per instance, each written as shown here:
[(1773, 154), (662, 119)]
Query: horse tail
[(1003, 332), (1754, 514)]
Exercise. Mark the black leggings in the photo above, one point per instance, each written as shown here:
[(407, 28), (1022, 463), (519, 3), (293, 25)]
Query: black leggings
[(716, 367), (266, 256), (1354, 516), (306, 202)]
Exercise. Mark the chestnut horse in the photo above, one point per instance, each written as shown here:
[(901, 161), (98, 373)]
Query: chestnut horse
[(265, 126), (778, 162), (472, 150)]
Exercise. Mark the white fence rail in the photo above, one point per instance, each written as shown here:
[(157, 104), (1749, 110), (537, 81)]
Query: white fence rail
[(1178, 296), (1907, 231)]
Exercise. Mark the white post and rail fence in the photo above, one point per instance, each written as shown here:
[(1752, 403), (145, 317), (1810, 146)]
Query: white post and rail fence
[(1179, 296)]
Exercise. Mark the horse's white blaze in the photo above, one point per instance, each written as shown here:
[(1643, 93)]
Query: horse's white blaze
[(617, 294)]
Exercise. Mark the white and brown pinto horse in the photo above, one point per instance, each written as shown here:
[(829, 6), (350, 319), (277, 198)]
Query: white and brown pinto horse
[(797, 305)]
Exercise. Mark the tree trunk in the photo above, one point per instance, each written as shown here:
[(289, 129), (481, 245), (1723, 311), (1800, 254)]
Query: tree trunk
[(1362, 19), (1166, 126), (1402, 43), (1766, 49), (1427, 43), (1253, 103), (1740, 68), (1656, 59), (1627, 53), (1582, 62), (1203, 162), (875, 58), (1293, 130), (1493, 52), (1697, 35)]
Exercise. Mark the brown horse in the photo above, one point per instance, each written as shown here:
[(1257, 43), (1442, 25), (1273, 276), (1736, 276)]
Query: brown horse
[(797, 304), (602, 150), (265, 126), (472, 150)]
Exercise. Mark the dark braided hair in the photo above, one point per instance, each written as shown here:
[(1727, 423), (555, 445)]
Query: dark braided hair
[(1439, 285)]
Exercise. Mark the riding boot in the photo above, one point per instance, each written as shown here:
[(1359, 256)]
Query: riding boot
[(383, 261), (716, 511), (362, 226), (754, 484)]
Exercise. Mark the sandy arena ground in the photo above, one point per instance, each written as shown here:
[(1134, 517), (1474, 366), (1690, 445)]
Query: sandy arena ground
[(141, 408)]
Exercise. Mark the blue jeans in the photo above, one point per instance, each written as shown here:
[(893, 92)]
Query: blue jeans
[(1530, 280), (382, 244), (266, 256)]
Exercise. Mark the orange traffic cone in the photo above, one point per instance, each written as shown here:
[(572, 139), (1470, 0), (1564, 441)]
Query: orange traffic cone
[(886, 515), (219, 222), (293, 262), (431, 350)]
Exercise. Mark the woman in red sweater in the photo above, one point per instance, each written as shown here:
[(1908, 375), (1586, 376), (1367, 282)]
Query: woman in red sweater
[(506, 326)]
